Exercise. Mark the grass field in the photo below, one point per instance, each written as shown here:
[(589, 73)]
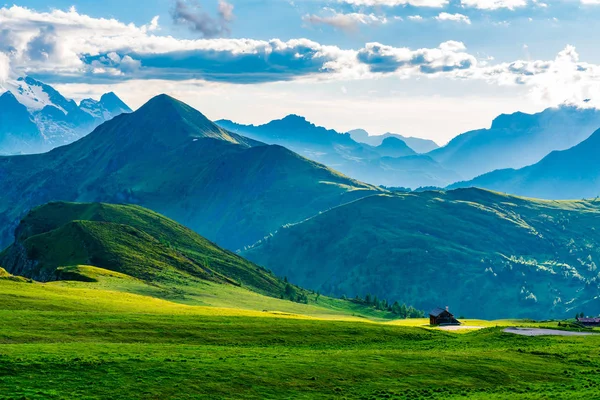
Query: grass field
[(60, 341)]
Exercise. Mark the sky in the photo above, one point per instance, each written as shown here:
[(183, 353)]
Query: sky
[(425, 68)]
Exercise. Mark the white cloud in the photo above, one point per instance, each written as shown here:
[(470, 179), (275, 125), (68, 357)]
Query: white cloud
[(444, 16), (68, 47), (69, 44), (590, 2), (563, 80), (494, 4), (4, 67), (393, 3), (153, 26), (448, 57), (190, 14), (415, 18), (347, 22)]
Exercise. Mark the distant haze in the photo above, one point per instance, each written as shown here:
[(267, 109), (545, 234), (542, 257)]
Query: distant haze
[(439, 119)]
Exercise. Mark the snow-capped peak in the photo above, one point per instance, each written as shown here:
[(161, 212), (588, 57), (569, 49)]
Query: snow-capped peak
[(30, 95), (56, 119)]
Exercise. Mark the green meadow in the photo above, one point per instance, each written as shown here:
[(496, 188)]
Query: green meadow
[(162, 313), (69, 340)]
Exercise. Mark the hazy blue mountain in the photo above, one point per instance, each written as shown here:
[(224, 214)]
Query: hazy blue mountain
[(18, 132), (517, 140), (567, 174), (394, 147), (419, 145), (54, 119), (170, 158), (390, 163), (484, 253)]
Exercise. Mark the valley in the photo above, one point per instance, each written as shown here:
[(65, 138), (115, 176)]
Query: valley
[(349, 199), (179, 259)]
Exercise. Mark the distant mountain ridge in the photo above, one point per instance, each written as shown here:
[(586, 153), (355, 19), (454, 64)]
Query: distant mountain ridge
[(391, 163), (567, 174), (45, 119), (517, 140), (170, 158), (419, 145)]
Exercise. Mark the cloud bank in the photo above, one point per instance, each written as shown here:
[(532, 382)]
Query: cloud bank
[(69, 47)]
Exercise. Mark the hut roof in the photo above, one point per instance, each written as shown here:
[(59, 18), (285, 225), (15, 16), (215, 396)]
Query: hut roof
[(436, 312)]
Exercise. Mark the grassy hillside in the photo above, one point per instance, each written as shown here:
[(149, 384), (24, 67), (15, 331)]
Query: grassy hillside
[(170, 158), (125, 239), (481, 253), (58, 342), (132, 250)]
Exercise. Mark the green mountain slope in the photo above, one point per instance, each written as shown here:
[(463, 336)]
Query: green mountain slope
[(170, 158), (481, 253), (125, 239), (568, 174)]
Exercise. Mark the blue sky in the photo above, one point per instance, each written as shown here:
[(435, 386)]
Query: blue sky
[(429, 68)]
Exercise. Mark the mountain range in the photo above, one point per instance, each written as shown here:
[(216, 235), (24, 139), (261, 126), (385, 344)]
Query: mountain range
[(517, 140), (34, 117), (484, 253), (170, 158), (567, 174), (389, 163), (474, 250), (513, 141)]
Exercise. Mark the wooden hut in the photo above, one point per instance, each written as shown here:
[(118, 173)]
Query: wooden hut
[(589, 321), (441, 316)]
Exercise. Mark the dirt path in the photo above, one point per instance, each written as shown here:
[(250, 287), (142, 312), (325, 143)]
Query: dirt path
[(459, 327), (544, 332)]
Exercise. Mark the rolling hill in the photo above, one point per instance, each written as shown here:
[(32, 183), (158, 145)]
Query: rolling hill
[(517, 140), (54, 238), (481, 253), (109, 252), (390, 163), (568, 174), (170, 158)]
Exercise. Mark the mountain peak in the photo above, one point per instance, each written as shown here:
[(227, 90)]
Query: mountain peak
[(109, 96), (114, 104), (392, 141), (9, 104), (170, 122), (394, 147), (8, 96), (162, 100), (294, 117), (292, 121), (30, 81)]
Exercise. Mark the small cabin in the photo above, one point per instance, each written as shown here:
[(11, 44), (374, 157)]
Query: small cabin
[(589, 321), (441, 316)]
